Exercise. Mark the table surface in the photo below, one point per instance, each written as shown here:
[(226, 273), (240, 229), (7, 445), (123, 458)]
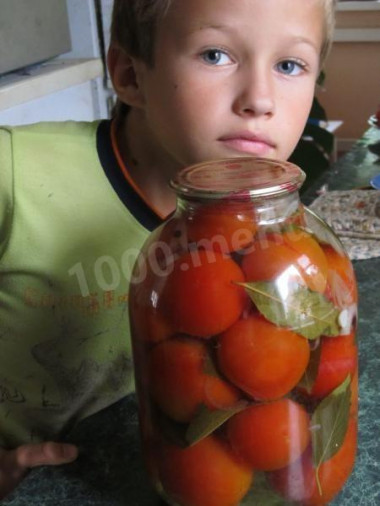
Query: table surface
[(109, 470)]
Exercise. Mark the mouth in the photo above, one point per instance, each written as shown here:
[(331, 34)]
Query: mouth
[(248, 143)]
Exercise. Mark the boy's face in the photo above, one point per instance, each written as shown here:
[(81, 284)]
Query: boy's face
[(232, 78)]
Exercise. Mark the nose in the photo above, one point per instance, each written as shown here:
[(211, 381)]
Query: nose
[(255, 96)]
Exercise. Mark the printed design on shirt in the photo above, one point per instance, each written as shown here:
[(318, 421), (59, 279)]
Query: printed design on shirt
[(10, 393), (88, 305), (81, 384), (79, 376)]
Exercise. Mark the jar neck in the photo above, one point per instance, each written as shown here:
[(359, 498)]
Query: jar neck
[(268, 210)]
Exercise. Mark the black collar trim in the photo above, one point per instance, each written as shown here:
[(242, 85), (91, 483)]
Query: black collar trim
[(124, 190)]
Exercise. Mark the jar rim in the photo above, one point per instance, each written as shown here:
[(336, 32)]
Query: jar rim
[(238, 178)]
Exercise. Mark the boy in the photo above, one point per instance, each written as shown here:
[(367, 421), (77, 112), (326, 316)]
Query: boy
[(196, 80)]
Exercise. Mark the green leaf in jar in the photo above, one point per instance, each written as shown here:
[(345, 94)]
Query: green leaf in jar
[(206, 421), (329, 424), (209, 367), (302, 310), (261, 493), (310, 375), (174, 432)]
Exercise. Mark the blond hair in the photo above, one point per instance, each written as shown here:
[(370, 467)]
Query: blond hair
[(329, 27), (134, 24)]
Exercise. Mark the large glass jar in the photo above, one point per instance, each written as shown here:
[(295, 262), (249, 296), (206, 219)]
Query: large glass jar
[(243, 312)]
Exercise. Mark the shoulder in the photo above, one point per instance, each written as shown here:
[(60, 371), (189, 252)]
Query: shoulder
[(51, 131), (41, 146), (28, 152), (35, 139)]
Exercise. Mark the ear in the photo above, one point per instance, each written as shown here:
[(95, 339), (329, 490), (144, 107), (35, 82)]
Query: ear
[(123, 70)]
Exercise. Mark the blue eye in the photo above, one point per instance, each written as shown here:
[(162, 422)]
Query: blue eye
[(216, 57), (290, 67)]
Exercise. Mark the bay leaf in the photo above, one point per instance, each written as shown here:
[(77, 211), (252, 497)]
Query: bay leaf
[(174, 432), (310, 375), (209, 367), (262, 493), (329, 423), (207, 420), (304, 311)]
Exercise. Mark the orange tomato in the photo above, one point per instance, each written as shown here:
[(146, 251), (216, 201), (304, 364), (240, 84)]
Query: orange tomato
[(338, 359), (149, 325), (297, 482), (221, 227), (262, 359), (201, 297), (294, 255), (270, 436), (205, 474), (354, 394), (342, 287), (179, 382)]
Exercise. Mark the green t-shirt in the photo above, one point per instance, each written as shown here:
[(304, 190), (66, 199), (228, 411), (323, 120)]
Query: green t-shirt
[(68, 239)]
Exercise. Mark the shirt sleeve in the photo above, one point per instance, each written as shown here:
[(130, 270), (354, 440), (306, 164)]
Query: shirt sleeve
[(6, 187)]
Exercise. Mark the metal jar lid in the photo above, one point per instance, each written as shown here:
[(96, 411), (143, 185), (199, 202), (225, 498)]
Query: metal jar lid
[(238, 178)]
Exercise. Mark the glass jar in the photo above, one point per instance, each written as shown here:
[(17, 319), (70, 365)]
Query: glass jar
[(243, 309)]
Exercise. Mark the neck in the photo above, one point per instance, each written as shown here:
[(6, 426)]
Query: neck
[(150, 167)]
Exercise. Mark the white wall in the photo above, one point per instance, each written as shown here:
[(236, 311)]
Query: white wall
[(85, 98)]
